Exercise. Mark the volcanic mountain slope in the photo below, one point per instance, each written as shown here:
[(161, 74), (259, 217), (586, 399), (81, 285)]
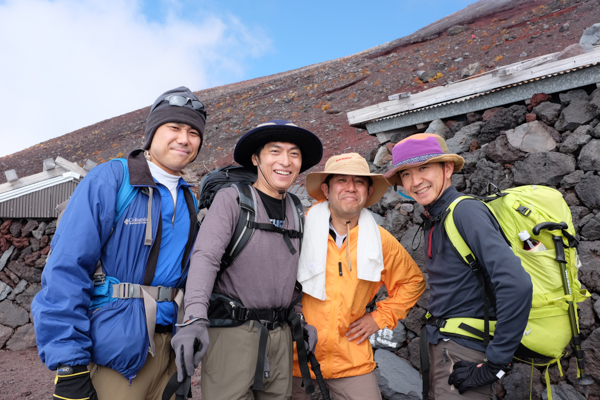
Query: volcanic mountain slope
[(490, 32)]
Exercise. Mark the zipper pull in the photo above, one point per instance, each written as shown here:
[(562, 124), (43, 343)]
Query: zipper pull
[(340, 265), (444, 359)]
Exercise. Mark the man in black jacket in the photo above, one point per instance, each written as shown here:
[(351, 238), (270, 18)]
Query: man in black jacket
[(462, 367)]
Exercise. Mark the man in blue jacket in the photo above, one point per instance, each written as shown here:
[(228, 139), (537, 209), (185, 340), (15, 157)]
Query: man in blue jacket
[(462, 367), (111, 286)]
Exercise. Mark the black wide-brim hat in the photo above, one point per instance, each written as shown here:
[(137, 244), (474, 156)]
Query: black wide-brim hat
[(279, 130)]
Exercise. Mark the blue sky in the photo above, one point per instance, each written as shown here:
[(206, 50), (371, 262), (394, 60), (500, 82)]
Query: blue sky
[(311, 31), (90, 60)]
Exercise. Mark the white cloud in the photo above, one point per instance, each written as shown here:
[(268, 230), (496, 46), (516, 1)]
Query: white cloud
[(67, 64)]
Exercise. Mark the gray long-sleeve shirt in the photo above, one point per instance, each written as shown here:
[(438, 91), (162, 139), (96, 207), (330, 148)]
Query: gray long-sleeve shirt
[(455, 291), (264, 273)]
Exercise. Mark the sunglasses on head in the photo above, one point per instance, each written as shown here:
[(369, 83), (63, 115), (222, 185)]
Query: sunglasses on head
[(180, 101)]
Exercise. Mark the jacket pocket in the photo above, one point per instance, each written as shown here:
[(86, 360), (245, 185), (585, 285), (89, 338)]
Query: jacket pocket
[(119, 336)]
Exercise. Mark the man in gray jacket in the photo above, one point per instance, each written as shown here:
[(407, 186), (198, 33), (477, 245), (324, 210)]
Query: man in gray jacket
[(424, 167), (252, 357)]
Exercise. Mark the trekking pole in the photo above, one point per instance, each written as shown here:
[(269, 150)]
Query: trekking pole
[(559, 247), (316, 367)]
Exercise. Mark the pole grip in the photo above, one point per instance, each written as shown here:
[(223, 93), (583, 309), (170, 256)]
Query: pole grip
[(551, 226)]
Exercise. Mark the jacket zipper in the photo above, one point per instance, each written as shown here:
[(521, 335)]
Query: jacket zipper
[(333, 324), (173, 201)]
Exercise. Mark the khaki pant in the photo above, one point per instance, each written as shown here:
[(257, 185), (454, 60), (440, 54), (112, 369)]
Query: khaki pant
[(442, 357), (149, 383), (361, 387), (229, 364)]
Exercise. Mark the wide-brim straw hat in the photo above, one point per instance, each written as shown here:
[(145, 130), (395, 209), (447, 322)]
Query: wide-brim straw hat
[(420, 149), (279, 130), (346, 164)]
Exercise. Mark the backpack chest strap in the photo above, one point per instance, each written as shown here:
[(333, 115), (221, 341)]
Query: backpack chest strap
[(287, 233)]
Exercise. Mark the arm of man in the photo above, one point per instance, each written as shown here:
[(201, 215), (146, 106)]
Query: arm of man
[(60, 309), (511, 284), (215, 234), (404, 283), (191, 341)]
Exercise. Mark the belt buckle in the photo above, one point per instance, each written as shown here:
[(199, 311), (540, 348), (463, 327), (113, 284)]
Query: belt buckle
[(164, 294)]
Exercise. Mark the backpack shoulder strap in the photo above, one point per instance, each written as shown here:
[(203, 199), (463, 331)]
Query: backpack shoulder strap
[(298, 217), (242, 232), (464, 251), (456, 239), (126, 192)]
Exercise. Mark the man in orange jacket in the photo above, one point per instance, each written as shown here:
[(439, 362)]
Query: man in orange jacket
[(345, 259)]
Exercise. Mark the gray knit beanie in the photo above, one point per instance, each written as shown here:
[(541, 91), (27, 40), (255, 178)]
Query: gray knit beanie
[(163, 112)]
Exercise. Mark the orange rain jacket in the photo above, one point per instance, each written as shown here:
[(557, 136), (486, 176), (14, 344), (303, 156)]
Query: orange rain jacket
[(347, 298)]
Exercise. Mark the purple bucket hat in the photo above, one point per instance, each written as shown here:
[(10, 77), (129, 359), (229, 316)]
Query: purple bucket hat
[(420, 149)]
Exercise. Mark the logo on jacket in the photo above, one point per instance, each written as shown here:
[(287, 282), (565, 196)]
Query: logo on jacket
[(135, 221)]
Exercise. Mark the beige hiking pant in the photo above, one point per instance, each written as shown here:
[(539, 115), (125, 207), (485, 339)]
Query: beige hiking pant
[(442, 357), (229, 364), (149, 383), (361, 387)]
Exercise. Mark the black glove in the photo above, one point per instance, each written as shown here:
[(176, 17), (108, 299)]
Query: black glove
[(310, 338), (74, 383), (190, 343), (468, 375)]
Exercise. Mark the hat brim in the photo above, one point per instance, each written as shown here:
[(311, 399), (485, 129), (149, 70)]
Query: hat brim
[(315, 179), (309, 144), (394, 179)]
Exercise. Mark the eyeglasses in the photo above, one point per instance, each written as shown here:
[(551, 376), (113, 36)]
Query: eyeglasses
[(180, 101)]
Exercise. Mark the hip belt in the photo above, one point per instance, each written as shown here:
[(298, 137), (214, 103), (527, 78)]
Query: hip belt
[(151, 295), (226, 312)]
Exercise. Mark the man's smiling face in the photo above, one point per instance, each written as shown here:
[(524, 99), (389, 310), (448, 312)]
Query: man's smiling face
[(347, 194), (278, 167), (425, 183)]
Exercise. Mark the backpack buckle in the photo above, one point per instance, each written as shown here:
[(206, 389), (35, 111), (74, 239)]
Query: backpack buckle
[(239, 313), (164, 294), (277, 314), (125, 290), (98, 279), (435, 321), (524, 210), (439, 322)]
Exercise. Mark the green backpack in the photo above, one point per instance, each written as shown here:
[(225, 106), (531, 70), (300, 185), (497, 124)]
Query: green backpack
[(553, 318)]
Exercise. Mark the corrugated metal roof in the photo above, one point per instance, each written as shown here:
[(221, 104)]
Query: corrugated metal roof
[(19, 192), (462, 99), (40, 203), (38, 200), (493, 88)]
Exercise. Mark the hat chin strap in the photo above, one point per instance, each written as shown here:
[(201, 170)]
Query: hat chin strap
[(281, 192)]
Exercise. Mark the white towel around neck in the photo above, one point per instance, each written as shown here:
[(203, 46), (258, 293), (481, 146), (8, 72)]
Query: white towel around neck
[(313, 259)]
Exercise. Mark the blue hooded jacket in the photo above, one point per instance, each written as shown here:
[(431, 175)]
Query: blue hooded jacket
[(114, 335)]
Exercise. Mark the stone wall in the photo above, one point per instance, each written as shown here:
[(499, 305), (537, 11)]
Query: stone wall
[(24, 248), (548, 140)]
